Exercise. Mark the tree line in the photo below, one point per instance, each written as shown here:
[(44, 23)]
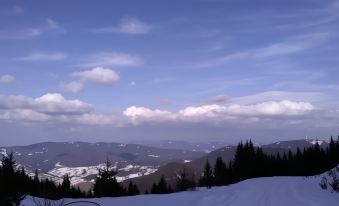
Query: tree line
[(252, 162), (249, 162), (16, 184)]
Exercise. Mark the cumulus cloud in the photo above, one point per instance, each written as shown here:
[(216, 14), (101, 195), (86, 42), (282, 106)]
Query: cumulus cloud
[(98, 74), (54, 103), (270, 108), (73, 87), (7, 79), (49, 106), (137, 114), (101, 75), (217, 113), (108, 59), (53, 107), (127, 26)]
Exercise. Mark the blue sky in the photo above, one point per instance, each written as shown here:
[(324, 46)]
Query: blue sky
[(198, 70)]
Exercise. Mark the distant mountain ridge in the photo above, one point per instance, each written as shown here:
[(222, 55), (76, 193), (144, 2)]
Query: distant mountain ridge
[(144, 164), (227, 153), (81, 159)]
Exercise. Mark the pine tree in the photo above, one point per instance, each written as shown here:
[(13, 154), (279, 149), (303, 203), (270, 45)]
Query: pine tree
[(162, 186), (220, 171), (66, 186), (207, 178), (184, 182), (10, 192), (132, 189), (106, 184), (154, 189)]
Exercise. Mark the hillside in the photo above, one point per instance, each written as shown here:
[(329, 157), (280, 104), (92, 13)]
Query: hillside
[(81, 160), (227, 153), (277, 191)]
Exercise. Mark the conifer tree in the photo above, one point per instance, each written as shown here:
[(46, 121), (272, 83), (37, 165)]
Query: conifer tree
[(220, 171), (207, 178), (106, 184)]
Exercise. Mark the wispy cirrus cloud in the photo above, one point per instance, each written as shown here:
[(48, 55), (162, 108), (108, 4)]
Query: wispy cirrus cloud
[(285, 48), (44, 56), (49, 26), (72, 87), (7, 79), (14, 10), (128, 25), (108, 59)]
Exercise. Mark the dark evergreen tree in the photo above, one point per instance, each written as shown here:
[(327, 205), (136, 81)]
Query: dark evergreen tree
[(132, 189), (220, 172), (207, 177), (106, 184), (10, 191), (65, 187), (184, 181)]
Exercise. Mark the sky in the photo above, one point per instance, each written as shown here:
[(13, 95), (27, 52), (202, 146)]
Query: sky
[(194, 70)]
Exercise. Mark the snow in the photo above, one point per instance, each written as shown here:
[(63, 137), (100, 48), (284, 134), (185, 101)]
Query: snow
[(3, 151), (38, 152), (58, 164), (187, 161), (316, 141), (79, 174), (155, 156), (268, 191)]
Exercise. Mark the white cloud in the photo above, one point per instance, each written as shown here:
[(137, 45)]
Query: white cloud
[(111, 59), (73, 87), (270, 108), (98, 74), (127, 26), (53, 107), (137, 114), (278, 96), (7, 79), (47, 106), (44, 56), (205, 111), (54, 103), (50, 26), (216, 113)]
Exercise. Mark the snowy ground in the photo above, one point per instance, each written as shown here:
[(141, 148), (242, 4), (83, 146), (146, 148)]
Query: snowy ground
[(271, 191)]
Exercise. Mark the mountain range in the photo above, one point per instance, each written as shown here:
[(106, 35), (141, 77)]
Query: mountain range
[(143, 164)]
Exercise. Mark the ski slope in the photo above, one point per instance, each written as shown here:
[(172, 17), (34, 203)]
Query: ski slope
[(269, 191)]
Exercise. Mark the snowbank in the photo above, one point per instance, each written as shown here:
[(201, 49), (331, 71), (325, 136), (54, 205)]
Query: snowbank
[(270, 191)]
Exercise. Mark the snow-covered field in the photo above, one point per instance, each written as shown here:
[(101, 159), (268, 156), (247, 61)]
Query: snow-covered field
[(269, 191), (80, 174)]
